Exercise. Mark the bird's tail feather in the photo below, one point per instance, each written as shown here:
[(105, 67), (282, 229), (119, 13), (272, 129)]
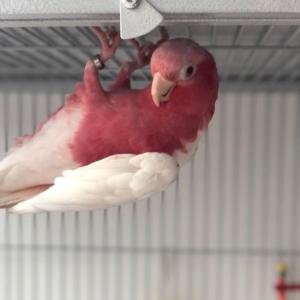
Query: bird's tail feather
[(8, 199)]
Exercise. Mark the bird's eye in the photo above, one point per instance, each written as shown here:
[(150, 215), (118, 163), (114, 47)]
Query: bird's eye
[(187, 72)]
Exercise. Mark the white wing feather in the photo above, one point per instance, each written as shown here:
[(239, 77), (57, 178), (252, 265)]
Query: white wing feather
[(107, 182), (48, 149)]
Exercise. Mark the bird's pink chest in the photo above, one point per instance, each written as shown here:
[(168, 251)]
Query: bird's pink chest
[(124, 125), (108, 131)]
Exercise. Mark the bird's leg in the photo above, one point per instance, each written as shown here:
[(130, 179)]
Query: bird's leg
[(91, 90), (110, 41), (144, 53), (123, 77)]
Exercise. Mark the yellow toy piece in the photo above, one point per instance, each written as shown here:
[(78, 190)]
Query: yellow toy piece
[(281, 268)]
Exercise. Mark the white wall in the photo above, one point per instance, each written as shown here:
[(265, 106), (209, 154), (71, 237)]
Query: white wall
[(216, 234)]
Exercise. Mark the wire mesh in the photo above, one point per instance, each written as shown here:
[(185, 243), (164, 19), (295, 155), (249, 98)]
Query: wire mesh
[(258, 54), (217, 233)]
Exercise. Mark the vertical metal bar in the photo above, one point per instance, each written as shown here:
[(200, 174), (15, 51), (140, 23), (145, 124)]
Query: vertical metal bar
[(20, 115), (268, 104), (148, 239), (7, 260), (5, 119), (162, 239), (20, 255), (176, 236), (134, 257), (91, 258), (213, 37), (33, 249), (281, 161), (250, 196), (205, 223), (48, 250), (222, 153), (77, 258), (62, 260), (20, 274), (34, 259), (188, 32), (296, 179), (105, 258), (236, 193), (119, 256), (191, 259), (34, 112)]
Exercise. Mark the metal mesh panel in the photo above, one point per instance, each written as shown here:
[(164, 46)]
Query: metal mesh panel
[(217, 233), (260, 54)]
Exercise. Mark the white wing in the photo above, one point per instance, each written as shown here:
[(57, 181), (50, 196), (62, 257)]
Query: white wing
[(108, 182), (48, 149)]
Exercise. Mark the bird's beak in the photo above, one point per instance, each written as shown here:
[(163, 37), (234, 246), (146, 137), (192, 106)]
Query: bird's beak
[(161, 88)]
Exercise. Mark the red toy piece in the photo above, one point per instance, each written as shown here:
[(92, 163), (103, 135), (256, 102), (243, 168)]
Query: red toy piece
[(282, 287)]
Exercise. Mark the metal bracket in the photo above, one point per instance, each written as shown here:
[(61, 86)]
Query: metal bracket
[(137, 17)]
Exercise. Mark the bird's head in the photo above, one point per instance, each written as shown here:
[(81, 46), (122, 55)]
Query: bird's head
[(184, 76)]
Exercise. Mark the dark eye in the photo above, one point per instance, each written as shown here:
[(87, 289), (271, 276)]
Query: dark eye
[(187, 72)]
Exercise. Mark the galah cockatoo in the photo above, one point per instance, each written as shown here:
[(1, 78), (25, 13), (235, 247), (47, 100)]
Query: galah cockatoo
[(106, 147)]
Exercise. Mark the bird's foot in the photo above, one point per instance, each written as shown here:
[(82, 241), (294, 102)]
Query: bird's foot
[(143, 57), (145, 51), (109, 40)]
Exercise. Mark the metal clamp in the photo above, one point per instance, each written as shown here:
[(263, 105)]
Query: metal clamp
[(137, 17)]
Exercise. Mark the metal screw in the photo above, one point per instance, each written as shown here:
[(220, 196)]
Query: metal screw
[(131, 3)]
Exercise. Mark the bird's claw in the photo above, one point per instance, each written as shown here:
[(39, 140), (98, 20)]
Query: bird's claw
[(144, 52), (109, 40)]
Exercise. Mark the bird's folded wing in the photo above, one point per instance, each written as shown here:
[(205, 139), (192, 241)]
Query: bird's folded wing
[(107, 182)]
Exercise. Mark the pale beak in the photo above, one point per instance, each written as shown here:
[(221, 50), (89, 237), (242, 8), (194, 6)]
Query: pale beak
[(161, 88)]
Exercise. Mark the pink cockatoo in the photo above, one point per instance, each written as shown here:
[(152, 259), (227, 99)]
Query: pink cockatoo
[(106, 147)]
